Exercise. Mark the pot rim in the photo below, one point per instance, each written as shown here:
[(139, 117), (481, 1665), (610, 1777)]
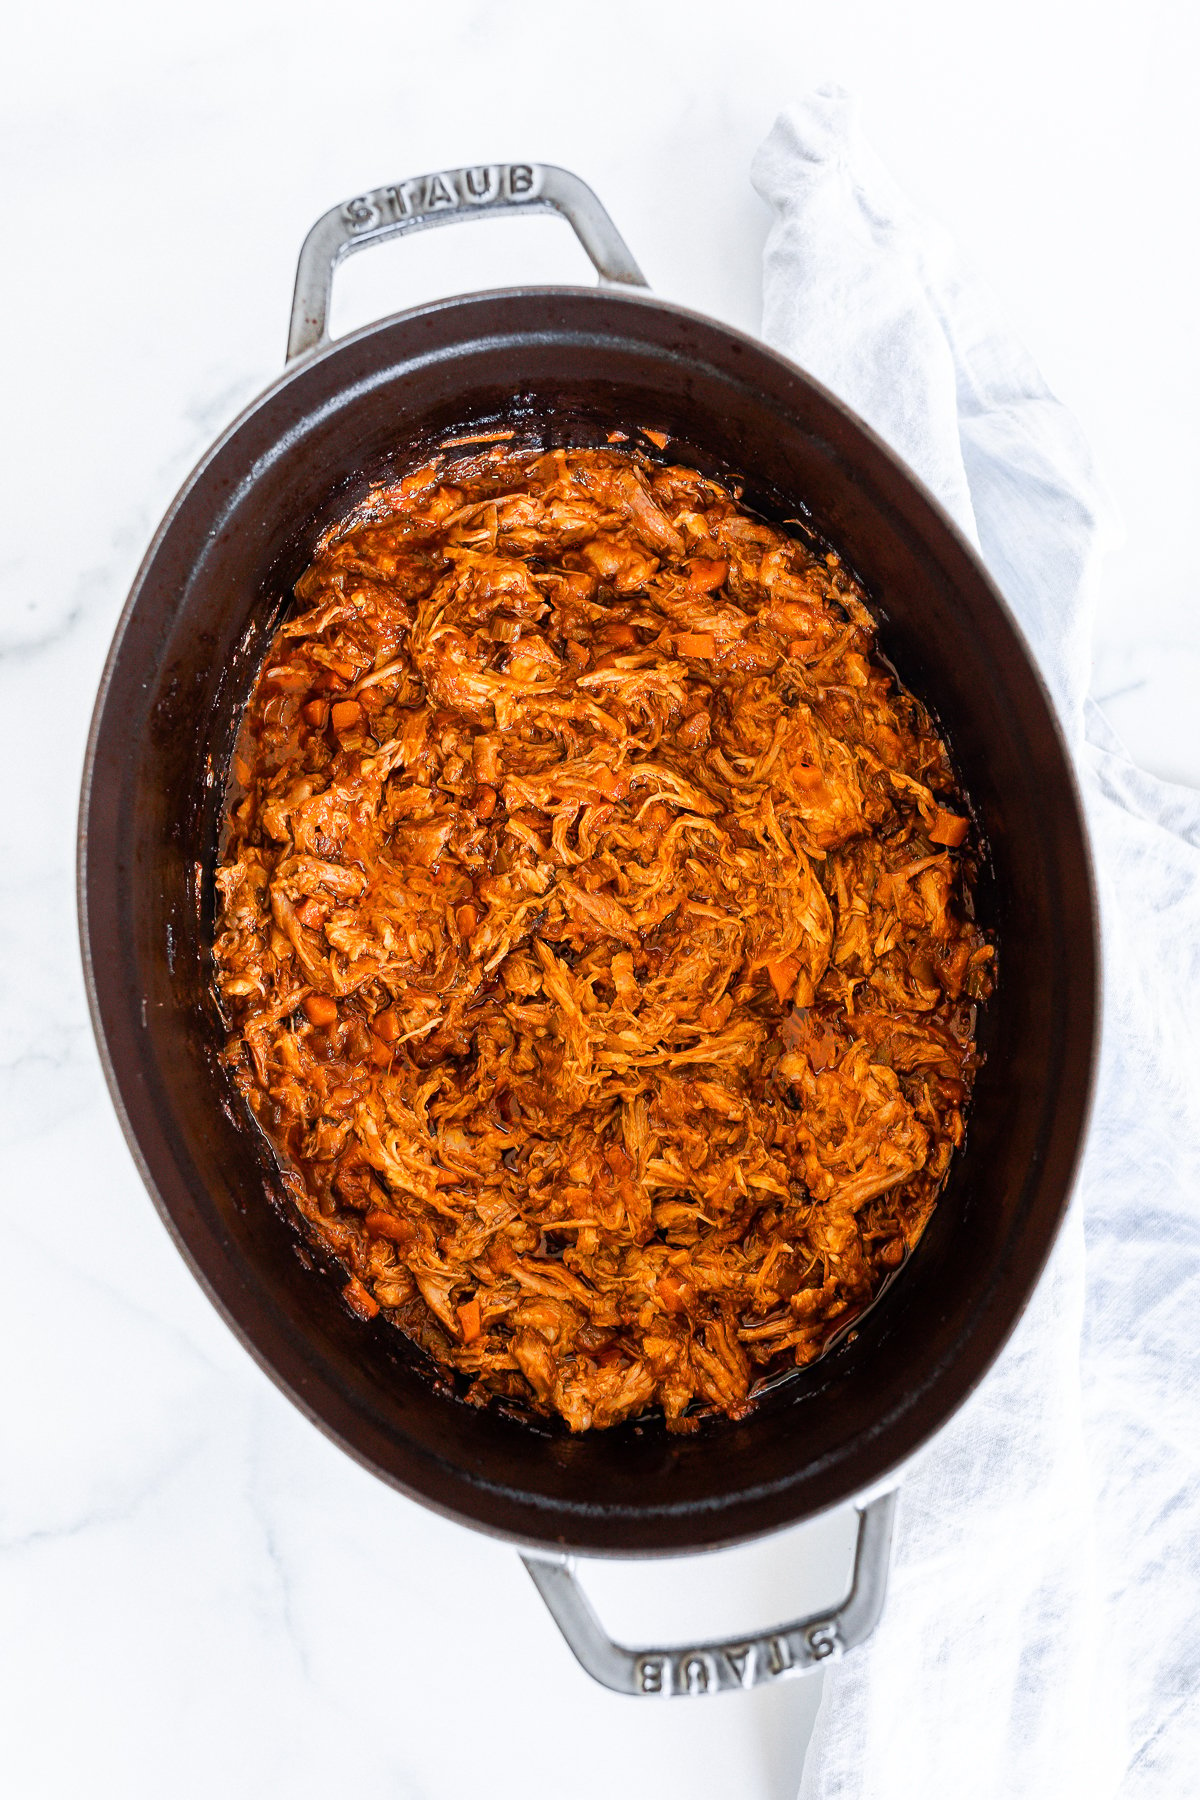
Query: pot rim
[(913, 1442)]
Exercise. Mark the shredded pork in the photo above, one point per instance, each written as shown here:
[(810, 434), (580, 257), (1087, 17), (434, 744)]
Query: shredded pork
[(595, 933)]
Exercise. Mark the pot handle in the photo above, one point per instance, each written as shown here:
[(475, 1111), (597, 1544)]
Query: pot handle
[(717, 1667), (443, 198)]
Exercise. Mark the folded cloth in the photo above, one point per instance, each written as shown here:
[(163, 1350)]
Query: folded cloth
[(1042, 1632)]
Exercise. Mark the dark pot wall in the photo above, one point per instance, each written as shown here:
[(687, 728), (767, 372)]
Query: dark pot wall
[(562, 365)]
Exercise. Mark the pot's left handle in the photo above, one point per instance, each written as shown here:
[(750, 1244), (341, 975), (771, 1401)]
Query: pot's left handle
[(444, 198), (716, 1667)]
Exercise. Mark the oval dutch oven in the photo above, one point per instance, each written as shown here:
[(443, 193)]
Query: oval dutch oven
[(564, 365)]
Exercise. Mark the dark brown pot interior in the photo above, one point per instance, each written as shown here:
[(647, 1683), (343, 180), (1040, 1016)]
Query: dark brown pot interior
[(564, 366)]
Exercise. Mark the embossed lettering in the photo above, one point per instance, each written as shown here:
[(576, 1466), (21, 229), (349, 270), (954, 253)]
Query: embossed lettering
[(823, 1639), (361, 214), (480, 184), (440, 193), (650, 1674), (694, 1674), (397, 202), (739, 1659), (779, 1655), (520, 178)]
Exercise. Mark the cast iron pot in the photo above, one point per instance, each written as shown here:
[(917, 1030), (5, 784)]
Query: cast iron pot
[(564, 366)]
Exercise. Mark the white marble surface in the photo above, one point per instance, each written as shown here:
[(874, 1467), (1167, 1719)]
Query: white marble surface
[(197, 1593)]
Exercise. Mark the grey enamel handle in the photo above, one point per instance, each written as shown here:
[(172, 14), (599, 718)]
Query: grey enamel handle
[(717, 1667), (445, 198)]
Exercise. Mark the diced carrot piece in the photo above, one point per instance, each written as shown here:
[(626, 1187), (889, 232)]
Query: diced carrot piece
[(672, 1292), (386, 1025), (321, 1009), (356, 1296), (386, 1225), (379, 1054), (309, 913), (696, 643), (344, 714), (948, 828), (618, 437), (466, 918), (806, 775), (659, 439), (315, 712), (618, 1159), (783, 971), (620, 637), (610, 784), (706, 575), (469, 1321)]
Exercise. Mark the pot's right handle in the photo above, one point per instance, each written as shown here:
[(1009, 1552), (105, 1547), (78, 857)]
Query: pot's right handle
[(443, 198), (711, 1668)]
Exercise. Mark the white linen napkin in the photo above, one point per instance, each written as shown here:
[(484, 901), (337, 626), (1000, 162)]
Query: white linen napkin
[(1042, 1632)]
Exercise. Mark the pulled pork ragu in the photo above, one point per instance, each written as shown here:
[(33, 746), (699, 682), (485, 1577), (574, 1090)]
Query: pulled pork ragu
[(595, 933)]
